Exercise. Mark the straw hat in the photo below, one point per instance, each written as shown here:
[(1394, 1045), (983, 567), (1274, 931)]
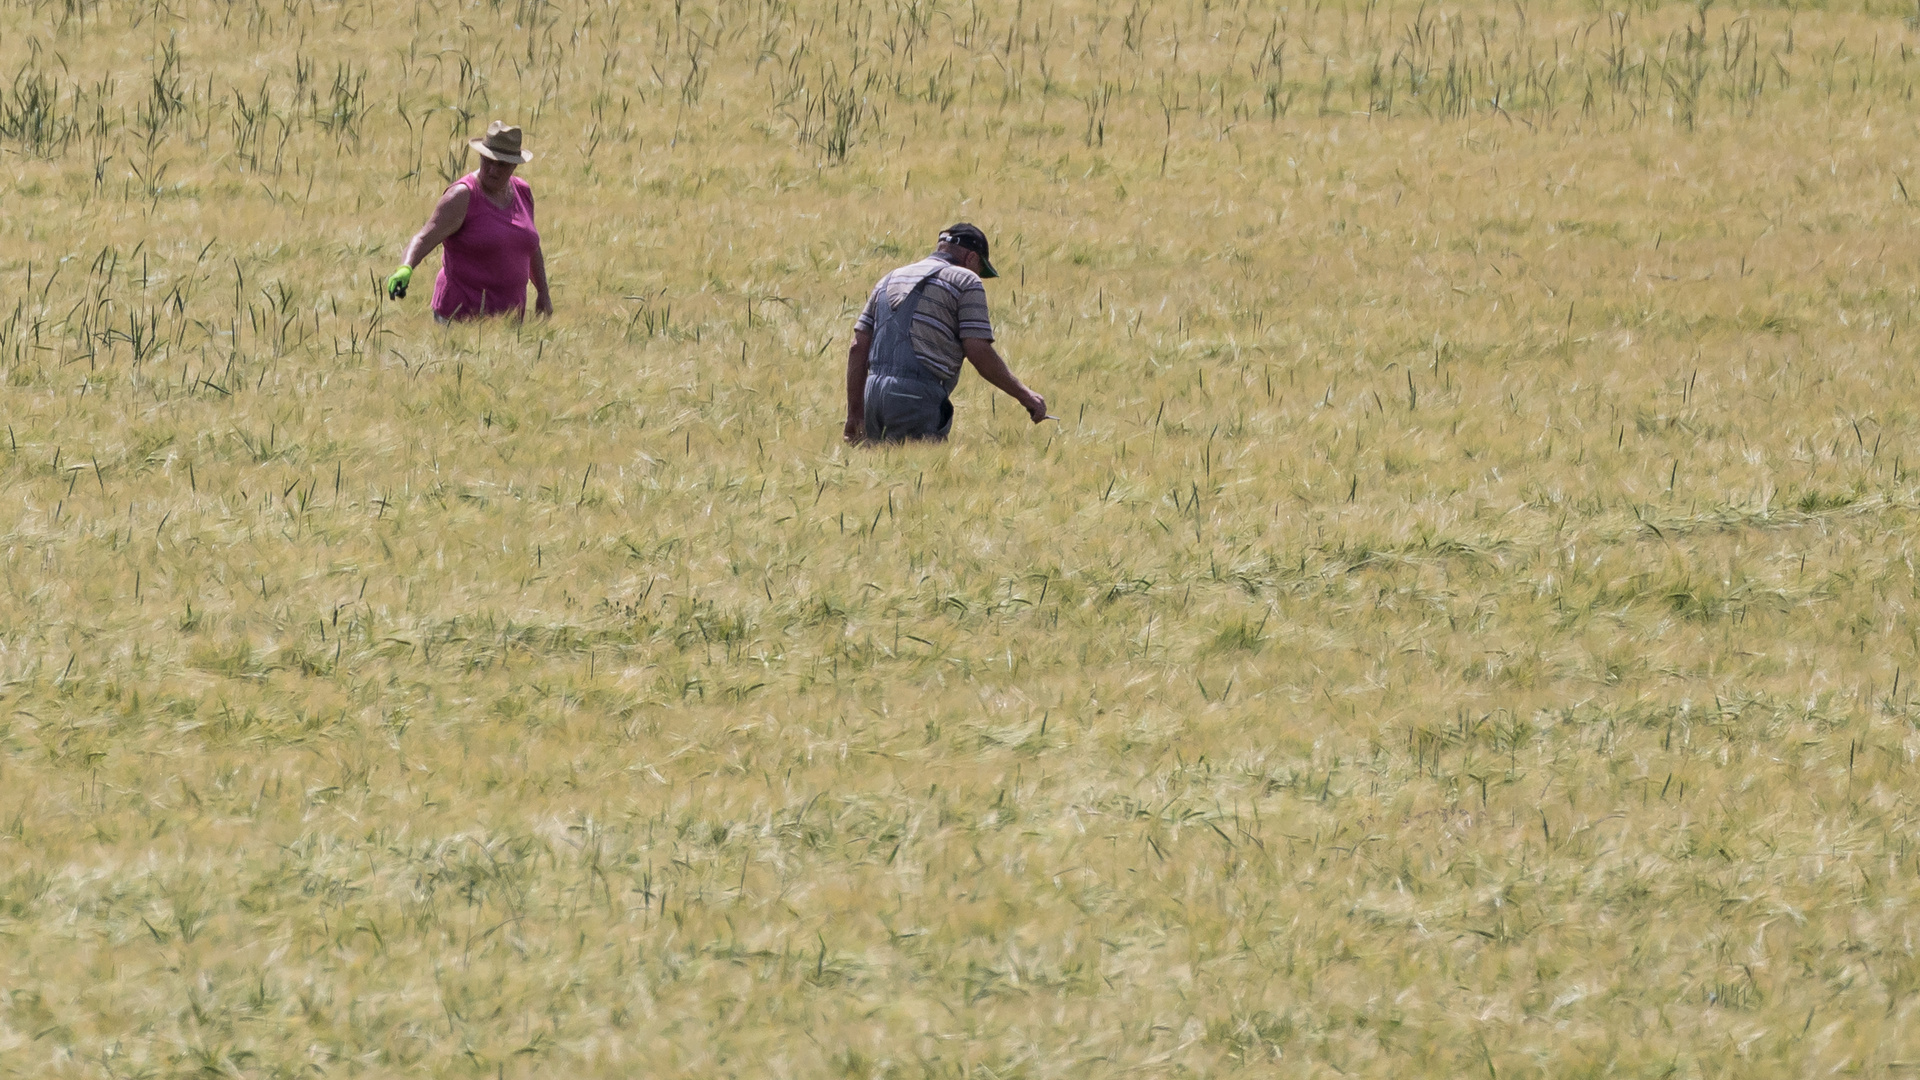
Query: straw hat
[(501, 144)]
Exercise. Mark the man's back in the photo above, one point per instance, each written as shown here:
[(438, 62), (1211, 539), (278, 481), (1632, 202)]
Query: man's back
[(953, 306)]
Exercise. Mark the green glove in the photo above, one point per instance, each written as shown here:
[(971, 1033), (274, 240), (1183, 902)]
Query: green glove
[(397, 284)]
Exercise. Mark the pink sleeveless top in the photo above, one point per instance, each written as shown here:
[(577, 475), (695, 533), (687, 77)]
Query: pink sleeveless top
[(486, 263)]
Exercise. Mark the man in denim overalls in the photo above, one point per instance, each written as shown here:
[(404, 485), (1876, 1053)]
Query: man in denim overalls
[(920, 323)]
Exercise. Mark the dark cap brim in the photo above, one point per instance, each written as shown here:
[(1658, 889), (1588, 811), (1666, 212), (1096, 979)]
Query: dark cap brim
[(986, 268)]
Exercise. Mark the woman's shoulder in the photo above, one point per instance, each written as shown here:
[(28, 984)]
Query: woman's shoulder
[(458, 193)]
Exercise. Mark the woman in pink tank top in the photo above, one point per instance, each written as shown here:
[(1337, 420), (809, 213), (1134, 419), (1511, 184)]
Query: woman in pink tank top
[(492, 249)]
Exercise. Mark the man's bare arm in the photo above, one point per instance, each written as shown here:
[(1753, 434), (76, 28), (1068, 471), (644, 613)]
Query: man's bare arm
[(986, 360), (857, 385)]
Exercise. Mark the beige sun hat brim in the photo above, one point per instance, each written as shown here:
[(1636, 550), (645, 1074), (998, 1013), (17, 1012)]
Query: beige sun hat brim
[(480, 145)]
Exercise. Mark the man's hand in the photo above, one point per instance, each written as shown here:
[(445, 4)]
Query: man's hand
[(543, 305), (397, 284), (856, 432), (986, 360), (1036, 406)]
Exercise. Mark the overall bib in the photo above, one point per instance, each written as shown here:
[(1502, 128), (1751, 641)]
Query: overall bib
[(904, 400)]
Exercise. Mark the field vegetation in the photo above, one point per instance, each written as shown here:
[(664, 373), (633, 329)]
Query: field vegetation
[(1463, 624)]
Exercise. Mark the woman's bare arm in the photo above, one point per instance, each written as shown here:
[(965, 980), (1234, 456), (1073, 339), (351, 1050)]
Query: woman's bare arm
[(542, 300), (448, 215)]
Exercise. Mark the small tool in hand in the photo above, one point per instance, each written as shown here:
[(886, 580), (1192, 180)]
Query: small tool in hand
[(397, 284)]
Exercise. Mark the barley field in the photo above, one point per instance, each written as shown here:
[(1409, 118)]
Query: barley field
[(1462, 624)]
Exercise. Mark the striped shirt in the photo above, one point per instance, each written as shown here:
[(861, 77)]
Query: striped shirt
[(952, 306)]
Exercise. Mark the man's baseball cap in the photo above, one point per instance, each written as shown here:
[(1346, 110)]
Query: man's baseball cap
[(971, 238)]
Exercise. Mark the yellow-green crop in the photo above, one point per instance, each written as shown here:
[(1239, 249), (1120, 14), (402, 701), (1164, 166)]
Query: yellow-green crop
[(1464, 624)]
